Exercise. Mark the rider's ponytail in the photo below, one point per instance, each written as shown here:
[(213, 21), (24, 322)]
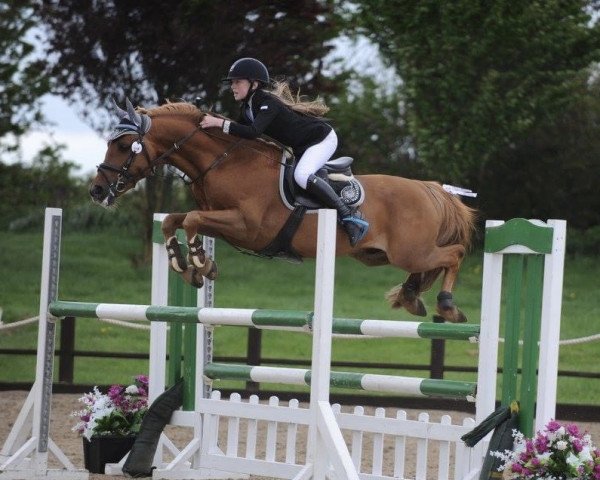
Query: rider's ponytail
[(315, 108)]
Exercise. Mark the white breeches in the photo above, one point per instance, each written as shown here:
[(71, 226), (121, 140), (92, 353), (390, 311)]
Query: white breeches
[(314, 158)]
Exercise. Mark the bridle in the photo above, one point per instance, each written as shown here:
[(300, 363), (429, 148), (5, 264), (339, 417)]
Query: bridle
[(123, 175), (137, 147)]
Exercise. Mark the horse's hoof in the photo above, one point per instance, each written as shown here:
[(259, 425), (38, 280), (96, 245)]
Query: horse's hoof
[(416, 307), (193, 277), (453, 315), (213, 272), (421, 310), (448, 310)]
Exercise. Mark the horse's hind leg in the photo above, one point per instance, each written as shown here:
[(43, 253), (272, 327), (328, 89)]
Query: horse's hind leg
[(445, 303), (407, 295)]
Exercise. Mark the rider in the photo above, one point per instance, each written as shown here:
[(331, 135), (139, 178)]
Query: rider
[(292, 123)]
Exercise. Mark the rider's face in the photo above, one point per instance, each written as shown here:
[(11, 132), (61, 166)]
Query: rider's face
[(240, 87)]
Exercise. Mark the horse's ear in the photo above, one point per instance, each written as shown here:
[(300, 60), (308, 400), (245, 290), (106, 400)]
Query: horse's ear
[(141, 121), (122, 113), (146, 122), (133, 115)]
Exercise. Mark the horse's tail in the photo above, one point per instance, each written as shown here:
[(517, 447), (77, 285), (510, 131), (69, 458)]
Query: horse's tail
[(457, 225)]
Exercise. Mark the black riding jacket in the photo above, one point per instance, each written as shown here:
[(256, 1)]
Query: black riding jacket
[(275, 119)]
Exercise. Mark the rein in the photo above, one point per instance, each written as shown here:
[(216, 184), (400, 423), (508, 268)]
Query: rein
[(216, 161)]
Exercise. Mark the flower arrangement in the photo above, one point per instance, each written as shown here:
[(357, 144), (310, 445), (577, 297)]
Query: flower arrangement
[(119, 412), (556, 453)]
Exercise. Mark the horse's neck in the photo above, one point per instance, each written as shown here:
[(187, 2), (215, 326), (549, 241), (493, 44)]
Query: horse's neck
[(193, 155)]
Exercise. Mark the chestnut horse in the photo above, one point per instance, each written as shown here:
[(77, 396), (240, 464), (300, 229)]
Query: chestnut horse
[(414, 225)]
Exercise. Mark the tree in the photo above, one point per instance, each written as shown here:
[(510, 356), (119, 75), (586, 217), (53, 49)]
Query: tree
[(153, 50), (555, 171), (371, 127), (479, 76), (21, 81), (48, 181)]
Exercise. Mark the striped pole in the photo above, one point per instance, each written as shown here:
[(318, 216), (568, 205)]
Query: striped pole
[(264, 319), (422, 387)]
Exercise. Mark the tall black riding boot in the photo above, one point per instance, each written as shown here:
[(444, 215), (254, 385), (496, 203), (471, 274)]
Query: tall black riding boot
[(355, 227)]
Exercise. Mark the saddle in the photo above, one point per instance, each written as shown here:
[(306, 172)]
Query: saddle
[(337, 173)]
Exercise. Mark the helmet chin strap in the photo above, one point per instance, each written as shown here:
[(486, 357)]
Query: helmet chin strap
[(251, 90)]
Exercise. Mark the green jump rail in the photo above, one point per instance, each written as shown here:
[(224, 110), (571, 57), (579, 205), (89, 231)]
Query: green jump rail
[(264, 319)]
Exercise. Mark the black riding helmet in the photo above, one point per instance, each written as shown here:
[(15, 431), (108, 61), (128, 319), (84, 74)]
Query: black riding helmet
[(250, 69)]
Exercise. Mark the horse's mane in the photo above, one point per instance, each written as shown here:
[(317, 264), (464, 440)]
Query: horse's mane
[(195, 115), (174, 108)]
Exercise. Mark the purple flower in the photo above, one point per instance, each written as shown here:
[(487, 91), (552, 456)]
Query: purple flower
[(541, 443), (577, 445), (114, 392), (523, 457), (553, 426), (572, 430), (529, 447)]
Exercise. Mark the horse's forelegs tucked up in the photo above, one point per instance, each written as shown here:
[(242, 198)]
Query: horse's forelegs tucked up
[(177, 260), (407, 295), (178, 263), (197, 257)]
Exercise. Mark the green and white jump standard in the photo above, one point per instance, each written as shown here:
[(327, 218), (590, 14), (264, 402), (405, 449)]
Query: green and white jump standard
[(184, 328)]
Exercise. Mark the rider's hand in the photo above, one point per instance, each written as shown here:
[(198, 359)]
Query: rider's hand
[(209, 121)]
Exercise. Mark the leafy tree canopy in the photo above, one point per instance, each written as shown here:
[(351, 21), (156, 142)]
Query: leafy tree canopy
[(154, 50), (21, 81), (480, 75)]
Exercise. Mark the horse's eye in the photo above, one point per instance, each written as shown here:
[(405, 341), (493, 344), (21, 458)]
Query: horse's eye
[(123, 146)]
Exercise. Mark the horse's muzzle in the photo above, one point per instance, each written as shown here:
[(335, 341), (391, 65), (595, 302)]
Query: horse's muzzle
[(101, 195)]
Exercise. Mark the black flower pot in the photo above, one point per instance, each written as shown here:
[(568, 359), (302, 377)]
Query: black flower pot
[(100, 450)]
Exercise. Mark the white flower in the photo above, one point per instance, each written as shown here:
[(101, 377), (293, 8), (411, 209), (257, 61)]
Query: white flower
[(573, 460), (544, 457), (132, 390), (586, 454), (561, 445)]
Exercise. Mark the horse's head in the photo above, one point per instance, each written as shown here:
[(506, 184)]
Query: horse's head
[(127, 159)]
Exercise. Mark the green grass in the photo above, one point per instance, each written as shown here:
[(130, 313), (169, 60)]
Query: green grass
[(98, 267)]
